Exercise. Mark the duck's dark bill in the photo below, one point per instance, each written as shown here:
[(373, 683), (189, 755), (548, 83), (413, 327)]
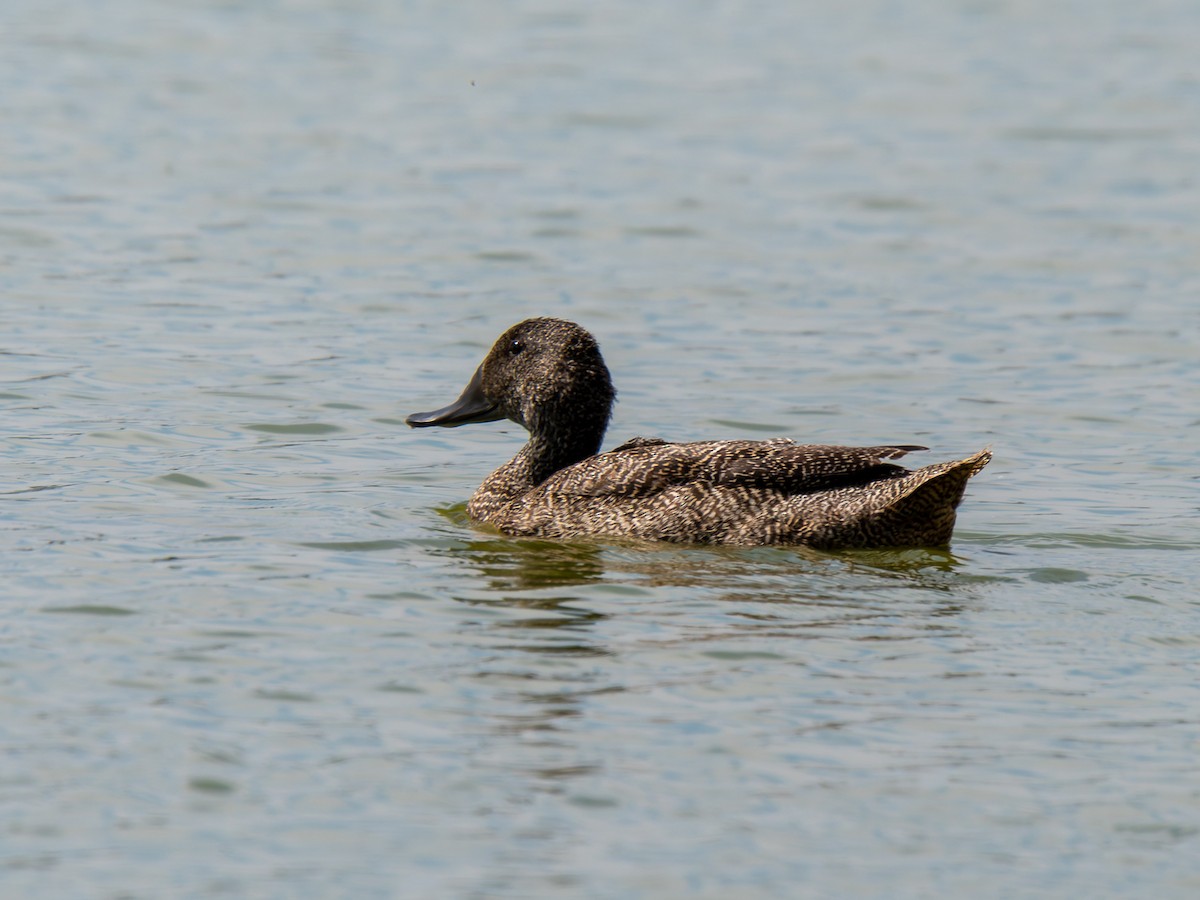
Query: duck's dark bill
[(471, 406)]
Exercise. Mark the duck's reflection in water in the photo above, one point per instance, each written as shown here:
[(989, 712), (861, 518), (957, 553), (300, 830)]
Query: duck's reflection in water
[(529, 564), (793, 587), (560, 627)]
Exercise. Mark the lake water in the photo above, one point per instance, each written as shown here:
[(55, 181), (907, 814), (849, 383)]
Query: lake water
[(250, 647)]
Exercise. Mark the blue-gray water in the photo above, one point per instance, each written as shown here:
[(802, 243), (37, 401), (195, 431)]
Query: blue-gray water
[(249, 647)]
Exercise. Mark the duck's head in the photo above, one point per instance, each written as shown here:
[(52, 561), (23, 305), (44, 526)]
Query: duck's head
[(544, 374)]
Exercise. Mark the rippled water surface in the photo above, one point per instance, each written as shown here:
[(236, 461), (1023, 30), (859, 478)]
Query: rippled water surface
[(250, 645)]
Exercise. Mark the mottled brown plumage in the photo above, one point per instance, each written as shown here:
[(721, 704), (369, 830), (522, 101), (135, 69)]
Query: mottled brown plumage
[(548, 376)]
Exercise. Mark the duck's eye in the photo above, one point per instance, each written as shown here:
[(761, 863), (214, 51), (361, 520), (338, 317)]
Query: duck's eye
[(515, 346)]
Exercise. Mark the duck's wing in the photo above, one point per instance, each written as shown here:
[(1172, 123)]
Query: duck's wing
[(644, 467)]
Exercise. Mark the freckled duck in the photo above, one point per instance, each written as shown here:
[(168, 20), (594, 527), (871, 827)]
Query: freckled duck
[(548, 376)]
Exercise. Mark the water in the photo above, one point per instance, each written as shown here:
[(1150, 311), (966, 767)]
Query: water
[(251, 648)]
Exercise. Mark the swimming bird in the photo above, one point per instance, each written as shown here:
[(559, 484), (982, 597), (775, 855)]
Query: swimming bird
[(548, 376)]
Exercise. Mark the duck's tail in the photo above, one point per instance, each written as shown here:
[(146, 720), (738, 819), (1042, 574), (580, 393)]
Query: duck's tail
[(925, 511), (913, 510)]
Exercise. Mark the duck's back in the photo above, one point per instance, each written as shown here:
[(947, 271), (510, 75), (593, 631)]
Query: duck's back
[(746, 492)]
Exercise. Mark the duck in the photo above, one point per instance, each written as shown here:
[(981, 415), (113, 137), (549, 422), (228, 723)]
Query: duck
[(548, 376)]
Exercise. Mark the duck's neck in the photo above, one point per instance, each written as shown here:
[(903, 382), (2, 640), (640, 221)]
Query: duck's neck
[(550, 450), (540, 458)]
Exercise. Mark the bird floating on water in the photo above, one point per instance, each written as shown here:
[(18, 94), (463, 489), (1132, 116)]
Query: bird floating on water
[(547, 375)]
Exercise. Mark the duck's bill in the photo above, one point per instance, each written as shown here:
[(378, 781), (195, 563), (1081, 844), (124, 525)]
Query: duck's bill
[(471, 406)]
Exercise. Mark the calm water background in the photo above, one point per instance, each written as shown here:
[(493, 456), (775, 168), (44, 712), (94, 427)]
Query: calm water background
[(250, 647)]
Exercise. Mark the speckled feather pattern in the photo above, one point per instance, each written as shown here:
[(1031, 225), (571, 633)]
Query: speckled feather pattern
[(737, 492), (548, 375)]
